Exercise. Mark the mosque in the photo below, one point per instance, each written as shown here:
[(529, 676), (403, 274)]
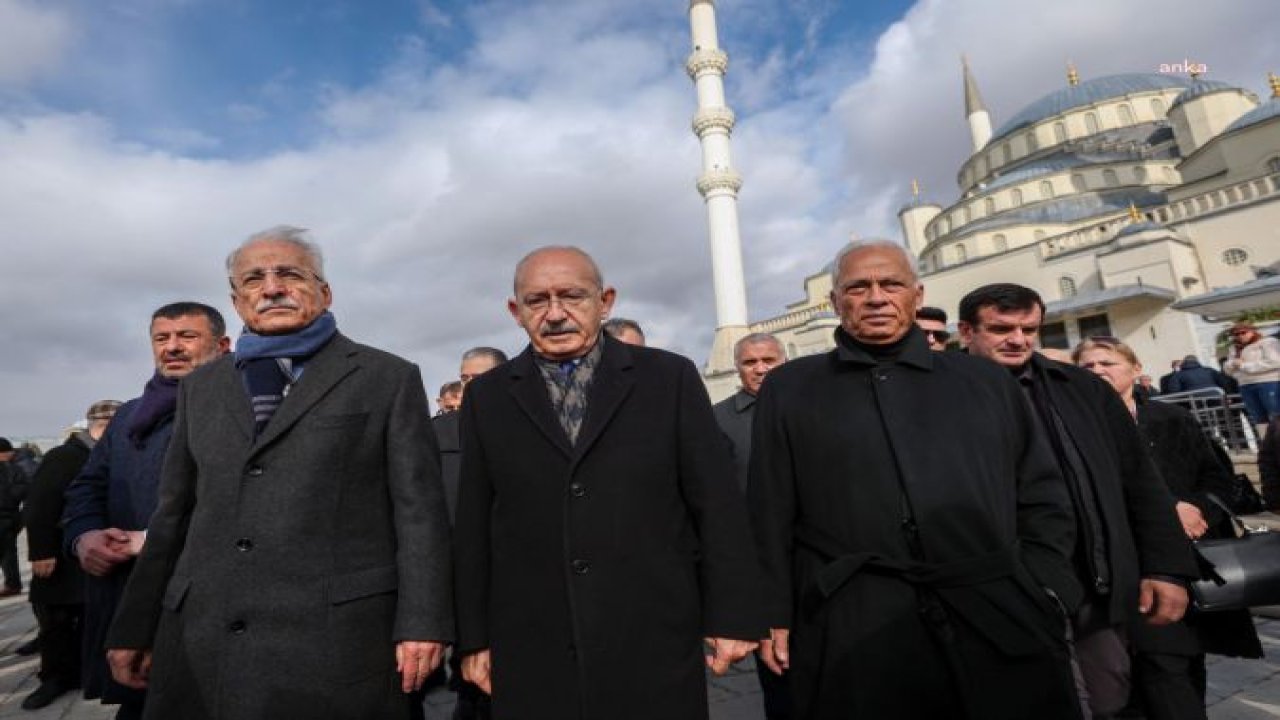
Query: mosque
[(1140, 206)]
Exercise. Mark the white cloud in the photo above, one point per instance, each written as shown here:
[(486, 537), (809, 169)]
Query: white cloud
[(33, 38)]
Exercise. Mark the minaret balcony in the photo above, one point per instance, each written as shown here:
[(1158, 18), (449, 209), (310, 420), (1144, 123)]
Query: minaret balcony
[(706, 119), (707, 62)]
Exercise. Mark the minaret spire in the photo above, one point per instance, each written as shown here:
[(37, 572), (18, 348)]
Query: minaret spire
[(974, 110), (719, 184)]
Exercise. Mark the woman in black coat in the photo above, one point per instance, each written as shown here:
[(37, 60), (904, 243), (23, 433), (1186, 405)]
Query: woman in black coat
[(1169, 661)]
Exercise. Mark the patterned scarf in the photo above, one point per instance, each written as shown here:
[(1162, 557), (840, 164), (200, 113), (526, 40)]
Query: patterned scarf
[(159, 400), (568, 383), (269, 364)]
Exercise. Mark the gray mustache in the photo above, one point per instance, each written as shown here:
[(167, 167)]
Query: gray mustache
[(276, 302)]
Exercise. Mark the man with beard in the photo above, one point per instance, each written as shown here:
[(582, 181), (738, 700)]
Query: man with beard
[(110, 502), (297, 564), (600, 537), (913, 529)]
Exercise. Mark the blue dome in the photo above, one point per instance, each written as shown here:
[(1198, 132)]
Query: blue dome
[(1088, 93), (1139, 227), (1265, 111), (1068, 209), (1200, 88)]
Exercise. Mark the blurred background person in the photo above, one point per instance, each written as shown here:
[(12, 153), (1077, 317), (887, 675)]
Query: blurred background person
[(628, 331), (933, 321), (13, 490), (1254, 362), (1169, 660), (450, 398)]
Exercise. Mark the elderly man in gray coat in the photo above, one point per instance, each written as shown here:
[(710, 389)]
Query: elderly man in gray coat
[(298, 562)]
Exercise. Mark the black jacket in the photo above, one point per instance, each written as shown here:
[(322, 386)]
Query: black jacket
[(1194, 376), (13, 490), (931, 461), (43, 515)]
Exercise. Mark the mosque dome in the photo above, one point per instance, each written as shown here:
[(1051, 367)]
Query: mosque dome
[(1203, 87), (1139, 227), (1090, 92), (1263, 112)]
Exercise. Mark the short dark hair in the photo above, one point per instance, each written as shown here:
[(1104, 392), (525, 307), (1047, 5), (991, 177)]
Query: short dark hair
[(173, 311), (453, 387), (1004, 297), (932, 313), (615, 326), (497, 356)]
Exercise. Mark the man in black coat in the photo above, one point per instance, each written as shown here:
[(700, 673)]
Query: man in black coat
[(600, 537), (1131, 553), (57, 595), (754, 356), (13, 490), (913, 527)]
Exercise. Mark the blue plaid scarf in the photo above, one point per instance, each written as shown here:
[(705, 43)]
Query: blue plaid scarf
[(269, 364)]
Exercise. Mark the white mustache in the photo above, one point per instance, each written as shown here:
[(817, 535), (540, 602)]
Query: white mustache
[(275, 302)]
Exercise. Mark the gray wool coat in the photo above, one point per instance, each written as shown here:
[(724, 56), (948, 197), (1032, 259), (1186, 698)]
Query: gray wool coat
[(279, 573)]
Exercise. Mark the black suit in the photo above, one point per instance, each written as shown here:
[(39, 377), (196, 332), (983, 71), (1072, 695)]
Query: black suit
[(592, 571)]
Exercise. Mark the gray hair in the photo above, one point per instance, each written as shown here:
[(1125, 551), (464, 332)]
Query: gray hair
[(597, 276), (294, 236), (616, 326), (868, 243), (494, 354), (757, 338)]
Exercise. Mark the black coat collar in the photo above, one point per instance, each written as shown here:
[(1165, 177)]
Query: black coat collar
[(915, 351)]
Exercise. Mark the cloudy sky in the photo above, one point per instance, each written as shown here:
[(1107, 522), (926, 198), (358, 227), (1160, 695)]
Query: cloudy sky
[(429, 144)]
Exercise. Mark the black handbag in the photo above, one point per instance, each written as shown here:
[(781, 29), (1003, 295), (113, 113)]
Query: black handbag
[(1237, 572), (1245, 498)]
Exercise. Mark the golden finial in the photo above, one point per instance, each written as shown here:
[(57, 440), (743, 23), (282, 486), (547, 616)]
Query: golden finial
[(1073, 77), (1134, 215), (915, 189), (1275, 84)]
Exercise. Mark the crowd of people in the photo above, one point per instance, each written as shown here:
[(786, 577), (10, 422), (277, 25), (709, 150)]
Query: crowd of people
[(895, 529)]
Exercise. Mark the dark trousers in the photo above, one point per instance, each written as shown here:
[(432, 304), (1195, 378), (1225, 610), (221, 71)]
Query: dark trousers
[(9, 556), (1102, 665), (776, 692), (60, 639), (1170, 687)]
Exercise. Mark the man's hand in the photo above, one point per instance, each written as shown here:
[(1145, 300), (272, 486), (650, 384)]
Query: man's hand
[(475, 670), (1162, 602), (727, 651), (1193, 523), (415, 660), (102, 550), (774, 651), (130, 667), (43, 568)]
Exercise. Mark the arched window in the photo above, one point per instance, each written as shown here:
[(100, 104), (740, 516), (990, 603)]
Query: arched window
[(1157, 107), (944, 225), (1059, 132), (1273, 165), (1109, 178), (1139, 173), (1091, 122), (1126, 114), (989, 206), (1015, 198), (1067, 286), (1006, 152), (967, 214), (1046, 189), (962, 254), (1077, 182), (1032, 145), (1000, 243), (1234, 256)]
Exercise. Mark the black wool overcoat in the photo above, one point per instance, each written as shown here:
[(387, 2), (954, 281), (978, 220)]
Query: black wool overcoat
[(933, 463), (593, 571), (42, 516), (279, 572)]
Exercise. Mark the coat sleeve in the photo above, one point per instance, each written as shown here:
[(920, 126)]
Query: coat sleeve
[(728, 567), (1212, 471), (86, 496), (138, 613), (471, 533), (45, 502), (424, 606), (771, 497)]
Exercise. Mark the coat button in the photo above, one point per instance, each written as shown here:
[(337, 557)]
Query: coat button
[(255, 471), (237, 628), (244, 544), (578, 490), (581, 567)]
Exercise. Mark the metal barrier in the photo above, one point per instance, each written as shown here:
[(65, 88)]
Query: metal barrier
[(1221, 415)]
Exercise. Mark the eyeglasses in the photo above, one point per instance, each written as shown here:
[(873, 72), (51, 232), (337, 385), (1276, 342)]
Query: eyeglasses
[(937, 335), (568, 300), (287, 275)]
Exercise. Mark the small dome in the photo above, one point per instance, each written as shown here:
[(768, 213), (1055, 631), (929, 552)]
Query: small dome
[(1262, 113), (1200, 88), (1089, 92)]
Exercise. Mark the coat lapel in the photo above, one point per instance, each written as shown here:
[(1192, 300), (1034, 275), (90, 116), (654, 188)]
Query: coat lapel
[(530, 393), (328, 367), (235, 398), (610, 385)]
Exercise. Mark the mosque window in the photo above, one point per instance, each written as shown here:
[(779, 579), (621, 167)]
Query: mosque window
[(1059, 132), (1067, 286), (1095, 326), (1054, 335), (1077, 182), (1046, 189), (1234, 256), (989, 206), (1006, 152), (967, 214), (1109, 178), (962, 254), (1032, 145), (1091, 122), (1126, 114), (1157, 107), (1139, 173), (1000, 243), (1273, 165), (1015, 198)]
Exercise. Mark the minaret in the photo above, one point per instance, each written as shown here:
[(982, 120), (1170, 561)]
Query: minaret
[(979, 118), (719, 185)]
